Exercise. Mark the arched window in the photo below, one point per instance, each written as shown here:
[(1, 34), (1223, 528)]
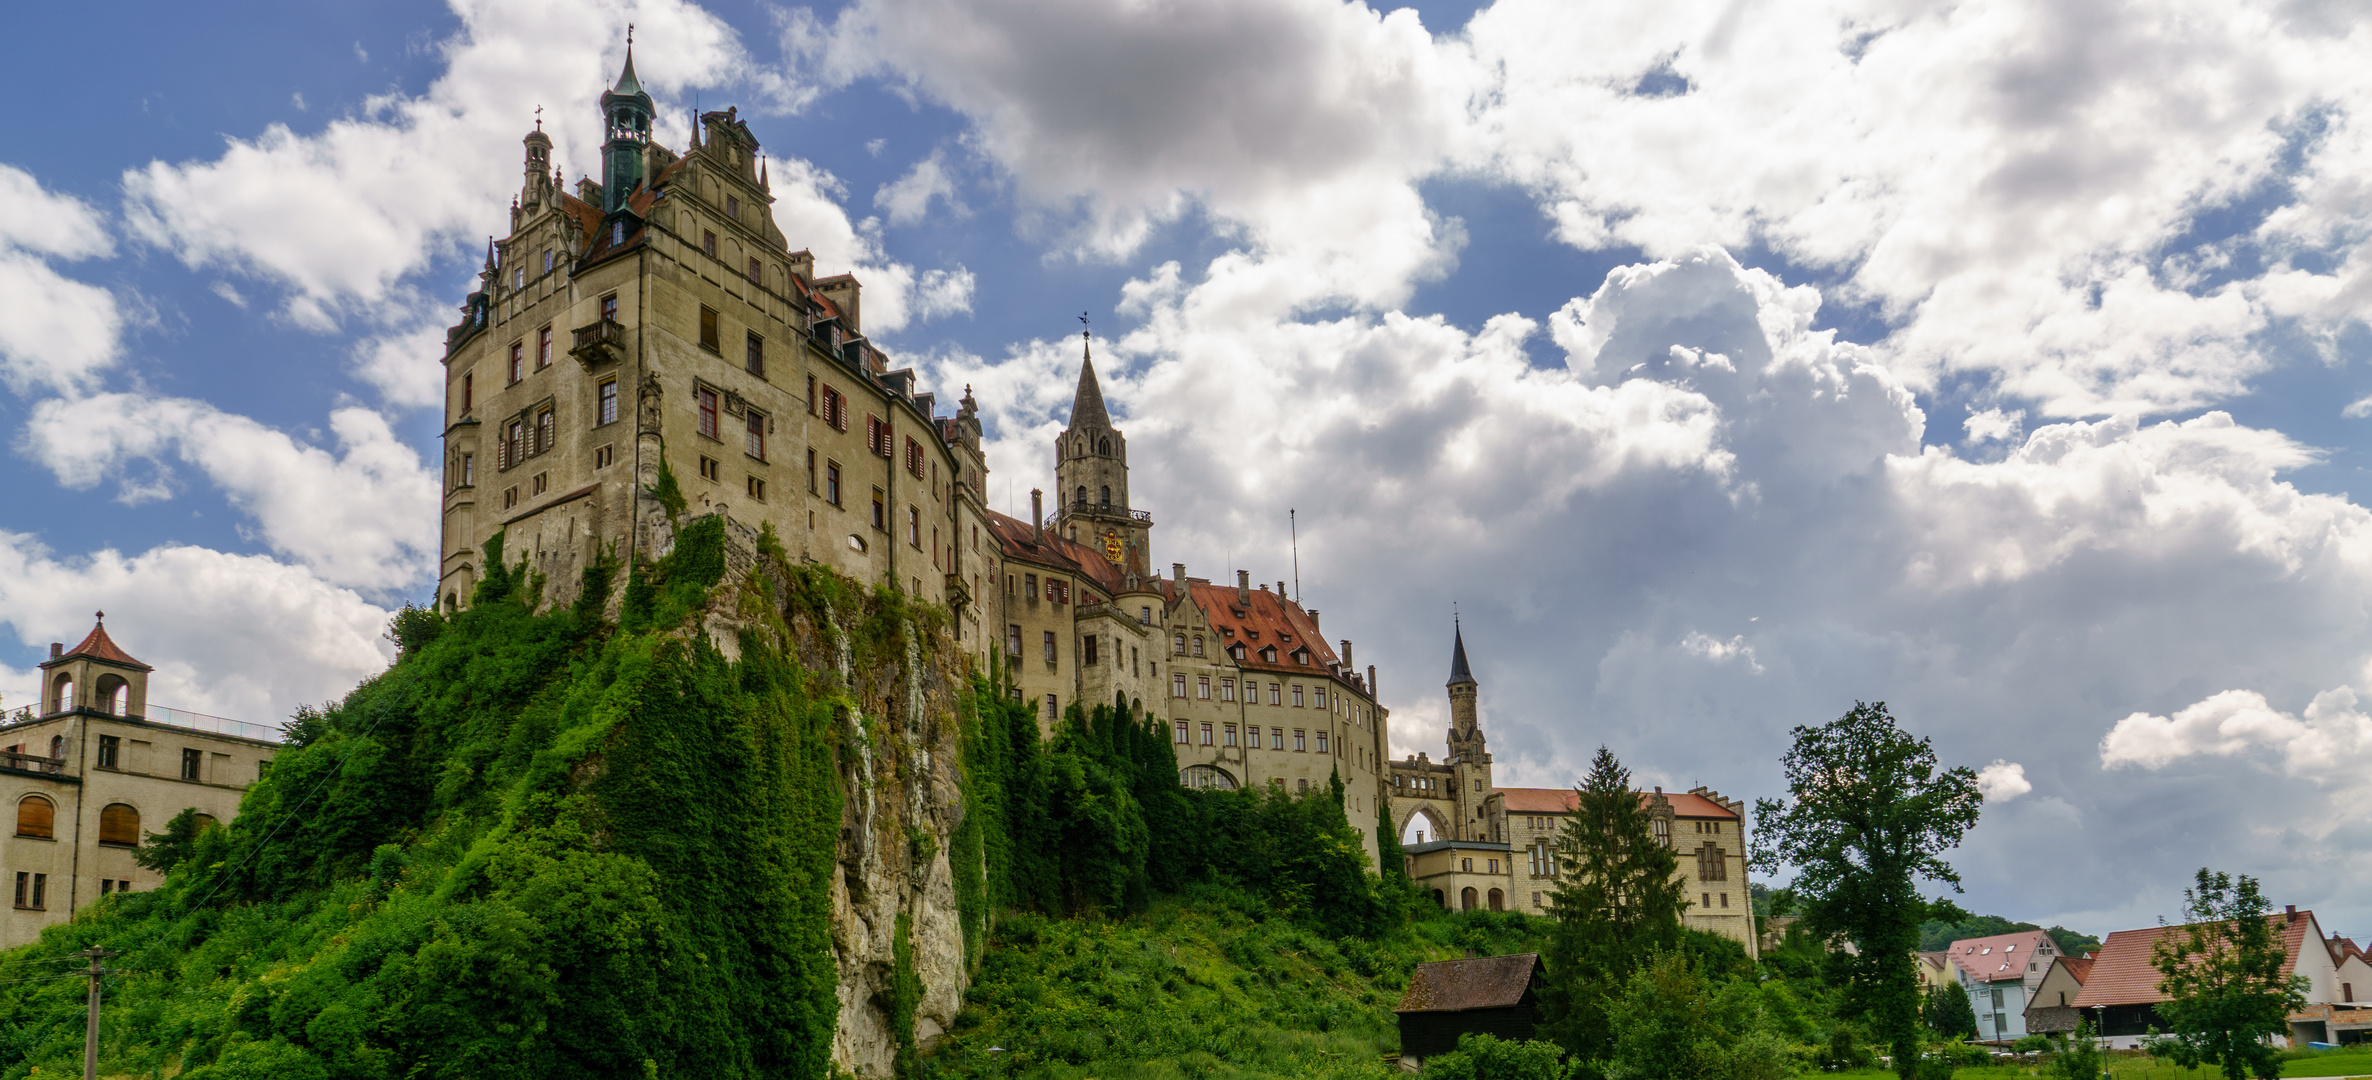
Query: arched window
[(1178, 644), (65, 692), (1198, 644), (1498, 900), (1206, 776), (119, 825), (1107, 494), (1438, 900), (1104, 447), (57, 746), (37, 817), (1082, 499), (1466, 898)]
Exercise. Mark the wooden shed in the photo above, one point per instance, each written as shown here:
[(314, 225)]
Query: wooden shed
[(1484, 995)]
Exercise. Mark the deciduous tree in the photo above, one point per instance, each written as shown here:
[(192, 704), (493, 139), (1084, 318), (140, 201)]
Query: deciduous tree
[(2223, 980), (1871, 814)]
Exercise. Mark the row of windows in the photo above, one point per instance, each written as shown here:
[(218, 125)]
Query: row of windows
[(1056, 590), (1277, 693), (119, 823), (1227, 736), (516, 368)]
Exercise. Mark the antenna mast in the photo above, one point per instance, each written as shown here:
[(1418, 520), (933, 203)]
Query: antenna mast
[(1295, 531)]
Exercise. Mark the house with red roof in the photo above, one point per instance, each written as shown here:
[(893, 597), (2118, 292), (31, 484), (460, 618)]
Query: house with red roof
[(2050, 1009), (2121, 993), (2000, 974)]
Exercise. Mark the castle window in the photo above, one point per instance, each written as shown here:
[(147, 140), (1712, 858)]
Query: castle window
[(543, 348), (540, 484), (755, 430), (606, 411), (708, 467), (1202, 687), (1104, 447), (547, 260), (30, 889), (1087, 652), (1297, 695), (757, 272), (708, 242), (1107, 494), (469, 390), (1301, 743), (1302, 785), (1493, 867), (617, 233), (880, 511), (1275, 694), (1082, 499), (36, 817), (1276, 738), (1053, 709), (1013, 640), (1178, 644), (193, 762), (1230, 734), (1466, 866), (1321, 740), (110, 749), (1711, 866), (1029, 586), (519, 278), (811, 395), (1663, 829), (604, 456), (1177, 686), (1144, 613), (914, 457), (119, 826), (1206, 733), (1227, 689), (1181, 732), (518, 361), (914, 530), (1050, 654), (706, 400), (1198, 644), (753, 358), (733, 204), (609, 308), (832, 483), (757, 489), (543, 431), (709, 338), (811, 488), (1321, 695), (510, 496)]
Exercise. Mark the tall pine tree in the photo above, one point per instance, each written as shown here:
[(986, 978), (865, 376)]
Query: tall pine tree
[(1617, 904)]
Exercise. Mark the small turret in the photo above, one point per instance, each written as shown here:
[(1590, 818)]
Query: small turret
[(536, 193), (626, 112)]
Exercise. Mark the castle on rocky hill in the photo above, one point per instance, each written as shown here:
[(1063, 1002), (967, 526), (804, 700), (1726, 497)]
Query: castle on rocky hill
[(656, 324)]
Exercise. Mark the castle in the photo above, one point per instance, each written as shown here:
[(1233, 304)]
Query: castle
[(1461, 834), (656, 326)]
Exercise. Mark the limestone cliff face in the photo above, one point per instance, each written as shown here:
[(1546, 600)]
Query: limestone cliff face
[(900, 807)]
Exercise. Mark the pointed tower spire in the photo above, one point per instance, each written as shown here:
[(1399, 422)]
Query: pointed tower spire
[(1459, 672), (626, 112), (1087, 406)]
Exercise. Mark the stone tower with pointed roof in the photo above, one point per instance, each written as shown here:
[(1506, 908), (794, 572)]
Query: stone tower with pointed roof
[(96, 674), (1091, 480)]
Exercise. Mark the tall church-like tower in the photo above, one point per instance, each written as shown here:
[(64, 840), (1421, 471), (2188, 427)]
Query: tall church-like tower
[(1469, 759), (1091, 480)]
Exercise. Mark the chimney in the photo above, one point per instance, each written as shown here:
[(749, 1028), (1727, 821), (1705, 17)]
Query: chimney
[(2292, 911), (1371, 691), (1280, 588), (1346, 654), (56, 649), (1178, 571), (1314, 622), (1037, 516), (1243, 589)]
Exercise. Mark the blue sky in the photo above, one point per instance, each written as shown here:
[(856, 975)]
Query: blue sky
[(1724, 365)]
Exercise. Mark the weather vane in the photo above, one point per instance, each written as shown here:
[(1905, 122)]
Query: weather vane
[(539, 118)]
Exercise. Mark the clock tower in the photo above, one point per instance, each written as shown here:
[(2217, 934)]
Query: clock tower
[(1091, 480)]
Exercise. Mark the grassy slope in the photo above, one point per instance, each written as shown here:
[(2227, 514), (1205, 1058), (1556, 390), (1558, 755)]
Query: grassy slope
[(1210, 984)]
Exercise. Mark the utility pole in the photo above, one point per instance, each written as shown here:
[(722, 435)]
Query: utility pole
[(90, 1031)]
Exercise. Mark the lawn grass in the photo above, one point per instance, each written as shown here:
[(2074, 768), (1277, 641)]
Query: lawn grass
[(2130, 1066)]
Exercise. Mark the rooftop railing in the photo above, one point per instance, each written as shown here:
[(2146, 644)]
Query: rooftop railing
[(168, 717)]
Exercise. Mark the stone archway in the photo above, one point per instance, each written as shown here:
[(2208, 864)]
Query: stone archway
[(1466, 898), (1422, 826)]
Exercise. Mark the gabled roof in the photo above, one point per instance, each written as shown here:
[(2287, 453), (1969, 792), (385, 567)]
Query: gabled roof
[(1484, 982), (1017, 540), (98, 646), (2122, 973), (2000, 958), (2078, 968), (1562, 801)]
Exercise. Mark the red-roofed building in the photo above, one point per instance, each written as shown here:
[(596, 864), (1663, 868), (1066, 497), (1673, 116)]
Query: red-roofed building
[(2121, 991), (2000, 975), (91, 766), (1477, 845)]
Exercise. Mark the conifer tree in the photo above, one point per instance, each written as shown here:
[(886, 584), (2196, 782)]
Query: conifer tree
[(1617, 904)]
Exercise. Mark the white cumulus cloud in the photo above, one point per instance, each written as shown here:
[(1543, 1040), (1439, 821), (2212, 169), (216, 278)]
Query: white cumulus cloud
[(2003, 781), (56, 333)]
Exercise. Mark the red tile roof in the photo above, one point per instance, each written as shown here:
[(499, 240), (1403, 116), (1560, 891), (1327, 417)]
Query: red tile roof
[(1483, 982), (2079, 967), (1269, 620), (1018, 540), (2000, 958), (2123, 975), (98, 646), (1561, 801)]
